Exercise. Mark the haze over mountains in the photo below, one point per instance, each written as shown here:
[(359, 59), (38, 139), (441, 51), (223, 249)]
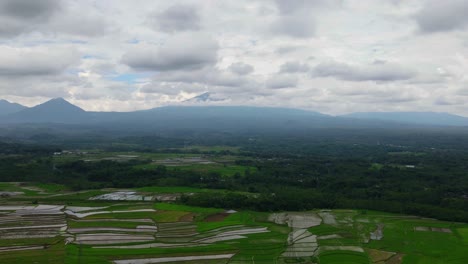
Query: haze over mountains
[(61, 111), (426, 118)]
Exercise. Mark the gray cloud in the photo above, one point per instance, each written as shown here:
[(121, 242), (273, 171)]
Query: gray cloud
[(33, 86), (27, 9), (290, 7), (281, 81), (19, 16), (297, 18), (437, 16), (294, 67), (35, 61), (207, 76), (297, 26), (87, 25), (177, 18), (49, 16), (382, 72), (463, 91), (450, 100), (286, 49), (241, 68), (180, 52)]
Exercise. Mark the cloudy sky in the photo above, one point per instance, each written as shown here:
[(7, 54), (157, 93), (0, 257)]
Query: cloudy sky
[(332, 56)]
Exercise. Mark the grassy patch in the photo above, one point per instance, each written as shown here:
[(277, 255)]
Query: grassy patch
[(185, 208), (343, 257), (223, 170), (51, 187), (158, 189), (168, 216)]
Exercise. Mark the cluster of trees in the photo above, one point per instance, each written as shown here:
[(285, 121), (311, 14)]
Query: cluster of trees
[(428, 177)]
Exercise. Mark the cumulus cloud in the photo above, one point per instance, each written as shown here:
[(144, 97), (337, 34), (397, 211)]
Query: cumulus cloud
[(438, 16), (177, 18), (179, 52), (294, 67), (35, 61), (380, 72), (241, 68)]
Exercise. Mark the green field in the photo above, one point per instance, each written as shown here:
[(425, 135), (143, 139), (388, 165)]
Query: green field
[(106, 231)]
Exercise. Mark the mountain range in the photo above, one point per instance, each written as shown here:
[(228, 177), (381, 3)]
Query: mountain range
[(9, 108), (61, 111)]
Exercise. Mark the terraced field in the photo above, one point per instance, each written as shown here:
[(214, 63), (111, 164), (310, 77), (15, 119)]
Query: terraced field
[(82, 229)]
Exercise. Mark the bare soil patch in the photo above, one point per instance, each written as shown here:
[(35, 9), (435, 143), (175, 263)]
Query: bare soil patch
[(216, 217), (397, 259), (188, 217), (379, 255)]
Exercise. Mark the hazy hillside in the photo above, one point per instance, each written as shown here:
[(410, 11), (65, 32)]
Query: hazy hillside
[(426, 118), (221, 118), (56, 110), (9, 108)]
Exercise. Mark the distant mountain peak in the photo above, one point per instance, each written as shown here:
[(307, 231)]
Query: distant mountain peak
[(205, 97), (7, 107), (59, 102), (57, 110)]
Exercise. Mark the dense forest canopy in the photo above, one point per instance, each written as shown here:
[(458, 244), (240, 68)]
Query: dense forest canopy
[(422, 172)]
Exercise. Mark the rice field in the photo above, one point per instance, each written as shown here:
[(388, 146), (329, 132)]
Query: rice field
[(123, 231)]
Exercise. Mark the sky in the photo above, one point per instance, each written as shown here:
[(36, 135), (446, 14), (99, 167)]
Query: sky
[(331, 56)]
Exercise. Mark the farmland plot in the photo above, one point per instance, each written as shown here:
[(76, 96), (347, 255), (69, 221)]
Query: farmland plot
[(31, 234), (102, 231)]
